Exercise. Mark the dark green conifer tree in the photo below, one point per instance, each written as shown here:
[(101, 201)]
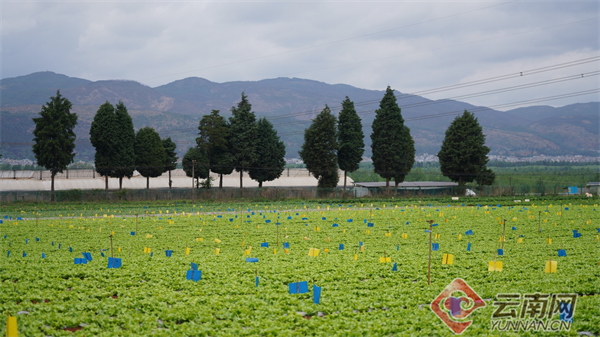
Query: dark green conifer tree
[(351, 139), (195, 164), (123, 160), (463, 156), (243, 136), (53, 136), (170, 157), (104, 138), (149, 154), (391, 142), (319, 151), (270, 154), (214, 135)]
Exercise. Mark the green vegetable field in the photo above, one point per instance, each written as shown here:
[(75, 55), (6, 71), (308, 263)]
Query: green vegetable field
[(360, 296)]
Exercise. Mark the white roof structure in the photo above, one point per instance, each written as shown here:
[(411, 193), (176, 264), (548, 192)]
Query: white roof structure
[(88, 180)]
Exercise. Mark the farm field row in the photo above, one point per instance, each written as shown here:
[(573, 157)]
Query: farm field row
[(149, 293)]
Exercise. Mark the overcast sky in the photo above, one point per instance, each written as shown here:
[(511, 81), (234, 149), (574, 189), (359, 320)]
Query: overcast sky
[(409, 45)]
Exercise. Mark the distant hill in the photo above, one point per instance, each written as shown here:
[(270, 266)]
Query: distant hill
[(174, 109)]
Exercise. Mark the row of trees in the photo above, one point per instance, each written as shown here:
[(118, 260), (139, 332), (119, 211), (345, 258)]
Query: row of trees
[(241, 143), (330, 143)]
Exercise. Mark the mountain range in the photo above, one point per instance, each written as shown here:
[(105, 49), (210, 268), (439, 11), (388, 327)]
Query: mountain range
[(174, 110)]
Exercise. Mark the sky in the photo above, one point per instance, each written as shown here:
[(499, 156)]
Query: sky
[(412, 46)]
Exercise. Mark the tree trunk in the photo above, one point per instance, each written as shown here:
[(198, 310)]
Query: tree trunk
[(170, 181), (387, 182), (148, 182), (120, 183), (241, 175), (396, 182), (105, 187), (52, 186), (344, 181), (260, 184), (221, 180)]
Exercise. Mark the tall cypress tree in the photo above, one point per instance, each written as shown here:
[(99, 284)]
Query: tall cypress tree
[(270, 153), (243, 136), (214, 135), (104, 137), (149, 154), (123, 154), (391, 142), (463, 156), (319, 151), (170, 157), (351, 139), (54, 138)]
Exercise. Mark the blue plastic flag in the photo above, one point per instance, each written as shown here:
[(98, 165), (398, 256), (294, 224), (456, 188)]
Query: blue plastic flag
[(469, 232), (70, 249), (151, 253), (286, 245), (26, 241), (252, 259), (102, 253), (349, 220), (562, 252), (334, 225), (43, 256), (370, 224), (88, 256), (194, 266), (53, 243), (469, 247), (397, 247), (433, 225), (289, 218), (500, 252), (113, 262), (24, 254), (304, 218), (132, 233), (80, 261), (194, 275), (257, 281), (7, 254), (514, 228), (360, 243), (435, 246), (298, 287), (406, 223), (264, 244), (395, 268), (168, 253), (341, 246), (267, 221), (37, 239), (323, 218), (316, 294), (59, 246), (230, 219)]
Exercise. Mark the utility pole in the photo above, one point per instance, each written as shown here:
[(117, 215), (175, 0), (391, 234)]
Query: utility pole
[(193, 187)]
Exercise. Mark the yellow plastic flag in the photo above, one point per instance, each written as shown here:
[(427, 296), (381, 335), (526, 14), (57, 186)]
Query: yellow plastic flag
[(314, 252), (11, 327), (217, 241), (99, 229), (495, 266), (597, 238), (448, 259), (368, 231), (247, 251), (502, 239), (459, 236), (119, 249), (404, 235), (70, 226), (437, 236), (217, 251), (355, 257), (362, 248), (550, 266), (148, 236), (385, 259), (199, 239), (112, 232), (388, 234), (326, 250), (236, 226), (317, 229), (187, 250), (549, 241), (287, 251), (520, 240)]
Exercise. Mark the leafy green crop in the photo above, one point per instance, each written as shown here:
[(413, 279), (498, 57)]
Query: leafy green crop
[(150, 294)]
